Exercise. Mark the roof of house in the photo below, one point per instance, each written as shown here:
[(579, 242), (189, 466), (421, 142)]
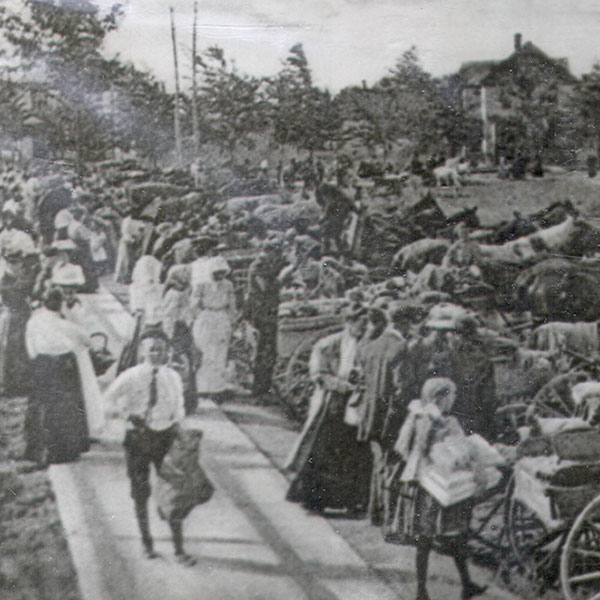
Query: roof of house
[(528, 57), (473, 72)]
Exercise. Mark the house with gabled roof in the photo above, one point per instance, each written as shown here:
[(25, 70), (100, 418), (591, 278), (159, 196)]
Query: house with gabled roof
[(488, 86)]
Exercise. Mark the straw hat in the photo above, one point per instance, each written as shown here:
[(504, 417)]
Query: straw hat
[(67, 245), (219, 265), (445, 316), (62, 219), (154, 331), (68, 275), (12, 207)]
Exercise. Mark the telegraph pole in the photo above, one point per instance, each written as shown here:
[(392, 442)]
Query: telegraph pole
[(195, 88), (176, 112)]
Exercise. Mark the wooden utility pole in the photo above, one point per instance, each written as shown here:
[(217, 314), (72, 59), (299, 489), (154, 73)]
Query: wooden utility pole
[(176, 112), (195, 88)]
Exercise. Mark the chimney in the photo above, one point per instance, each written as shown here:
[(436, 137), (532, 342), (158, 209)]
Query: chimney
[(518, 38)]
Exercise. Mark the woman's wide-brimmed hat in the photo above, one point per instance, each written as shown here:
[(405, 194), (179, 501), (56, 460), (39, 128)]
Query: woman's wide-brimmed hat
[(12, 207), (68, 275), (67, 245), (219, 265), (445, 316), (154, 331)]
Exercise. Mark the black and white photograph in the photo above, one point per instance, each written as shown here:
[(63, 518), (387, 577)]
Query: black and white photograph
[(299, 300)]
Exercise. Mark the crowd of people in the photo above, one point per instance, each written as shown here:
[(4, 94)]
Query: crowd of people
[(410, 371), (391, 385), (61, 234)]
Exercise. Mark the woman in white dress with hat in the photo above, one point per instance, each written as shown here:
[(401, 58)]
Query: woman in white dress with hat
[(213, 301), (69, 279)]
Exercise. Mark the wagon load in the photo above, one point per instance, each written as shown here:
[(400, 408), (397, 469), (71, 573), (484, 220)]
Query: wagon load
[(283, 217), (384, 232), (560, 290), (522, 225), (502, 265), (578, 338), (237, 205), (564, 238), (416, 255), (142, 195)]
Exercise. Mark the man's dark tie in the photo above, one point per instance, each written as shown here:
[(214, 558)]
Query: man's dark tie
[(153, 397)]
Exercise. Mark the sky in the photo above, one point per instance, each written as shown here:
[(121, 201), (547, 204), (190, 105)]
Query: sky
[(348, 41)]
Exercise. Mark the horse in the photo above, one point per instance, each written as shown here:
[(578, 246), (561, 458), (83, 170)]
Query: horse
[(447, 176)]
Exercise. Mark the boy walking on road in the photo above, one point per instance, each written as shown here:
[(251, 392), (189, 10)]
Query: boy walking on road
[(150, 397)]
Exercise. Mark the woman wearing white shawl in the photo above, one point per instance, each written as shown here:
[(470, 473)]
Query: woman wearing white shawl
[(213, 302), (145, 291), (131, 232), (177, 319), (176, 302)]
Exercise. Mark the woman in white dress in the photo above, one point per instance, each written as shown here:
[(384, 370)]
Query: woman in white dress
[(131, 231), (213, 301), (145, 291), (177, 320)]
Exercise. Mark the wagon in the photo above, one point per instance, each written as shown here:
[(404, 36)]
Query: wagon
[(301, 325), (553, 524), (552, 513)]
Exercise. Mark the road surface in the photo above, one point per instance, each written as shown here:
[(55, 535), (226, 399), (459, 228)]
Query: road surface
[(249, 542)]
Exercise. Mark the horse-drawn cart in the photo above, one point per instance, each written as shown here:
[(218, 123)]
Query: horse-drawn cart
[(552, 519), (301, 325)]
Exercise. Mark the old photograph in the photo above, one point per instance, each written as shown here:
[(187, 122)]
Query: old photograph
[(299, 300)]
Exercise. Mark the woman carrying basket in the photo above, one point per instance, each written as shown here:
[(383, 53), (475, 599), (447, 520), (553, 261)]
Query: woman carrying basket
[(423, 519)]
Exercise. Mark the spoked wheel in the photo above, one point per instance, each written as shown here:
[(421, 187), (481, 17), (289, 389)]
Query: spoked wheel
[(554, 398), (535, 548), (580, 560)]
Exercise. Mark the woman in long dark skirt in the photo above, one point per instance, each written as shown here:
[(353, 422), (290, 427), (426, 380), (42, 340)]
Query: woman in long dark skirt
[(55, 424), (56, 428), (332, 468)]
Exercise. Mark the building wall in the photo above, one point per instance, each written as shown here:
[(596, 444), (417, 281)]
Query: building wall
[(497, 102)]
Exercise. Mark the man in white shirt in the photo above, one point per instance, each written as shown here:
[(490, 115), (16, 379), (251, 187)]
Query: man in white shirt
[(150, 397)]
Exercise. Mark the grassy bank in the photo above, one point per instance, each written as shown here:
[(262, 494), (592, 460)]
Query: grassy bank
[(35, 563), (497, 199)]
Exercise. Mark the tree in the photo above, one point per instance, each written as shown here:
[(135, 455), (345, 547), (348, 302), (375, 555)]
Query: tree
[(407, 104), (586, 102), (58, 49), (82, 101), (301, 113), (232, 104)]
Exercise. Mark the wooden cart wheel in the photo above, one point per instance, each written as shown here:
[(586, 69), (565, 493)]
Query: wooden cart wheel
[(580, 559), (534, 547), (298, 386), (554, 398)]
